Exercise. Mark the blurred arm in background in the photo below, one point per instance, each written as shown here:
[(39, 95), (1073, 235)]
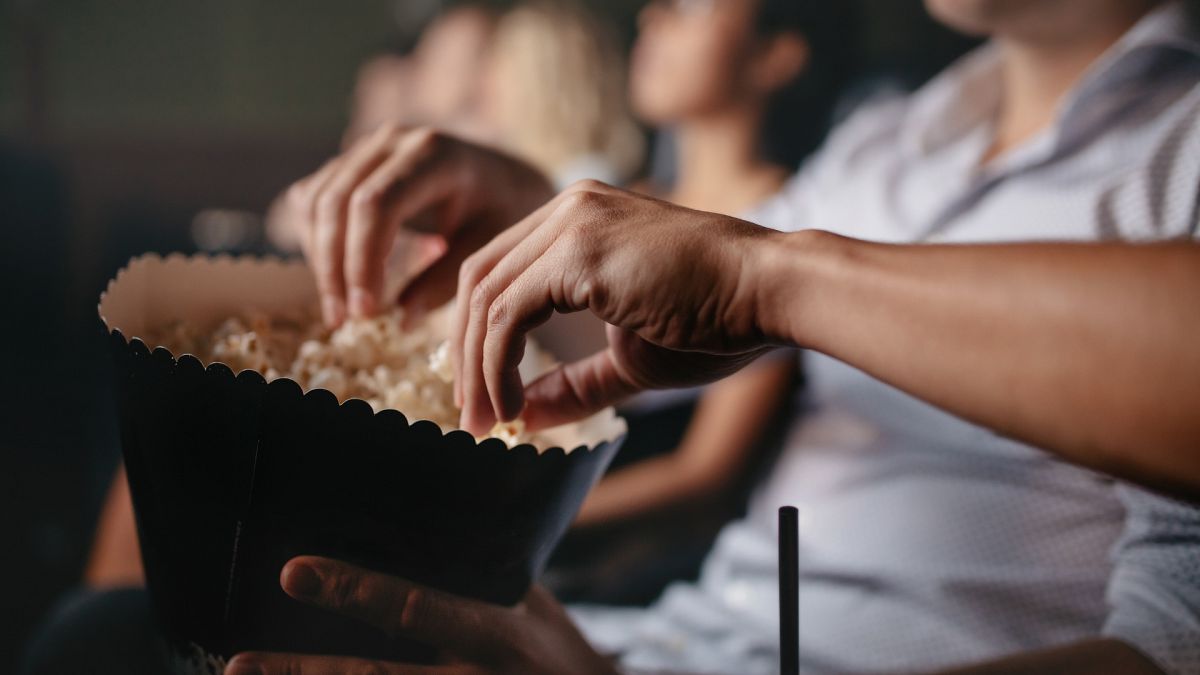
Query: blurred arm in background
[(716, 449), (747, 88)]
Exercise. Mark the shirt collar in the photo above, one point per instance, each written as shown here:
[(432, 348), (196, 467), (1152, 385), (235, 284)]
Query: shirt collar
[(964, 99)]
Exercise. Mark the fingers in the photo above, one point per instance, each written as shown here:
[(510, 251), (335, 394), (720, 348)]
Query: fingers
[(511, 299), (268, 663), (330, 203), (501, 321), (551, 248), (472, 272), (469, 628), (630, 364), (355, 204), (410, 180), (300, 202), (576, 390)]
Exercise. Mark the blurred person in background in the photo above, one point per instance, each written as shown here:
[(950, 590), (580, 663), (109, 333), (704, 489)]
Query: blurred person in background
[(748, 89), (385, 92), (554, 94), (451, 58), (435, 83)]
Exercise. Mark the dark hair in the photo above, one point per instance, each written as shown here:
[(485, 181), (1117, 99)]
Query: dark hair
[(799, 115)]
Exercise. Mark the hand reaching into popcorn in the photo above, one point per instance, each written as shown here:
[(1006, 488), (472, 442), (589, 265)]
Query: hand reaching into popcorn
[(455, 194), (691, 297)]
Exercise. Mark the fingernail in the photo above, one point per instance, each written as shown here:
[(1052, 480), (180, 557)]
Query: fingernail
[(333, 309), (242, 665), (362, 302), (301, 582)]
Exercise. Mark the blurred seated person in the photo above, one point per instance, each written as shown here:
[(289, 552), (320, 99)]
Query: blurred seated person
[(383, 94), (747, 88), (450, 60), (554, 94)]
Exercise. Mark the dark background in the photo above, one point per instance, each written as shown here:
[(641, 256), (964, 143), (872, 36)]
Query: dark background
[(120, 120)]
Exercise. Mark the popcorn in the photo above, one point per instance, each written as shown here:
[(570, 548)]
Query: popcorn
[(369, 359)]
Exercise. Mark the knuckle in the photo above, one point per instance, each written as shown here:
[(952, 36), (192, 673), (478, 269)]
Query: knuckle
[(498, 312), (574, 238), (579, 200), (425, 138), (343, 591), (469, 272), (415, 613), (586, 185), (480, 298), (588, 288), (364, 198), (298, 194), (327, 203)]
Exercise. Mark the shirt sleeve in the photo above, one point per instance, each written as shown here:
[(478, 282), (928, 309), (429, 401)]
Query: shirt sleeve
[(1154, 591)]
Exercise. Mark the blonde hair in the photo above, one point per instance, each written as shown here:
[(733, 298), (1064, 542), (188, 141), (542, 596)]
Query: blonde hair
[(566, 74)]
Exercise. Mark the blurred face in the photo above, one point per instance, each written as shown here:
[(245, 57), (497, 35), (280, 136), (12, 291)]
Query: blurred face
[(1047, 19), (690, 57), (500, 103), (450, 56), (382, 94)]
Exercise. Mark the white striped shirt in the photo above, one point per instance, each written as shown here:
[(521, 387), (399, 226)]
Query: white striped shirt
[(926, 541)]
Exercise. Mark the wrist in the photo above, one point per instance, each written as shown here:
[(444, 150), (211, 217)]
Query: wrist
[(797, 277)]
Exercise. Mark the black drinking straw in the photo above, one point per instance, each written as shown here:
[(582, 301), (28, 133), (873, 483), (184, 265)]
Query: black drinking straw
[(789, 591)]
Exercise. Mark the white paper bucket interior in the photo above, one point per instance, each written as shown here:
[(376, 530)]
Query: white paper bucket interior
[(152, 292)]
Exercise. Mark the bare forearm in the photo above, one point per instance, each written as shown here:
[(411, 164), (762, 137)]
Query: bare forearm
[(1094, 656), (715, 450), (1087, 350), (645, 487)]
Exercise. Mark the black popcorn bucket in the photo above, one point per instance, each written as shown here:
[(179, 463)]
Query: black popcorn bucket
[(232, 476)]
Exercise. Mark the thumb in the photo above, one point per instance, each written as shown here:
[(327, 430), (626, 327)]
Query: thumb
[(435, 285), (629, 365), (573, 391)]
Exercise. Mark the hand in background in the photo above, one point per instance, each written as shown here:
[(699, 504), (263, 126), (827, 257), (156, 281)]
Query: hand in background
[(348, 213), (474, 637)]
